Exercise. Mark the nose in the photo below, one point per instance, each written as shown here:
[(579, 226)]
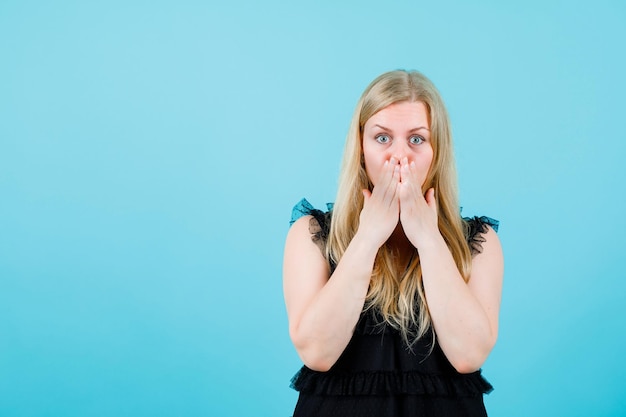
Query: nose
[(400, 149)]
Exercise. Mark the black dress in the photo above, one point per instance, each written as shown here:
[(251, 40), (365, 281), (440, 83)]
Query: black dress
[(377, 374)]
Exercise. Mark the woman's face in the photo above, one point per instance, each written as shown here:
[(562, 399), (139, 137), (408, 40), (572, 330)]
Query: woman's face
[(400, 130)]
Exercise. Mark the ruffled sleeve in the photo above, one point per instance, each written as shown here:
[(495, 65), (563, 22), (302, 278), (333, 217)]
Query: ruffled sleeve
[(319, 226), (304, 208), (475, 227)]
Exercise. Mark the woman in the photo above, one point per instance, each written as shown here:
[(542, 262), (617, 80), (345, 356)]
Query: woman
[(397, 312)]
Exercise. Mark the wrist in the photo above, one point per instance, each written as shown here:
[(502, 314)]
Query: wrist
[(365, 244), (428, 242)]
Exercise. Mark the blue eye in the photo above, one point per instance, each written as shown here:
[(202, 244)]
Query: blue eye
[(416, 140), (382, 139)]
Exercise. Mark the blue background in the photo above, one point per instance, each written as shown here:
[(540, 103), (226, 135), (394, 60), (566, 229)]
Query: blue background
[(151, 151)]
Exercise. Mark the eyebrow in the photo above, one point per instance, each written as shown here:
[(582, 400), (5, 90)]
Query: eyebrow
[(412, 130)]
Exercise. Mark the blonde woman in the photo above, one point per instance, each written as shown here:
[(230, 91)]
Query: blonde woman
[(393, 297)]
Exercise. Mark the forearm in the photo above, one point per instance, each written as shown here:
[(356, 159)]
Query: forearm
[(463, 328), (327, 324)]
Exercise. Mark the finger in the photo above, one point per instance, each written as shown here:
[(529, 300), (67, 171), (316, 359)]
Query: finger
[(413, 176), (384, 179), (411, 185), (390, 189), (417, 180), (403, 163), (391, 174), (404, 178)]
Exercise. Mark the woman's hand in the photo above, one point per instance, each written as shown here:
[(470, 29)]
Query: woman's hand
[(381, 208), (418, 212)]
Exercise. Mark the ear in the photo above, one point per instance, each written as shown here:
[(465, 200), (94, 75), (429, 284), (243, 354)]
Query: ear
[(366, 195), (430, 198)]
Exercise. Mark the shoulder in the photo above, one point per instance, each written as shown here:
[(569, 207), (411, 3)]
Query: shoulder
[(302, 228), (488, 259), (489, 243), (486, 250), (302, 245), (317, 221), (478, 231), (305, 269)]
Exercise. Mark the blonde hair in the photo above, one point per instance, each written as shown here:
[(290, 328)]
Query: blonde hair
[(396, 291)]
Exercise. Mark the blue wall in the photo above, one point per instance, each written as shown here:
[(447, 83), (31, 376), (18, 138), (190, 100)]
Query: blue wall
[(150, 154)]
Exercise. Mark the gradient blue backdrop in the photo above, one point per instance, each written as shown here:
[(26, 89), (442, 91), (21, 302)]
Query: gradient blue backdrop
[(151, 151)]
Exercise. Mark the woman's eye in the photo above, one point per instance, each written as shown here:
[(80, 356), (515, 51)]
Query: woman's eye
[(382, 139), (416, 140)]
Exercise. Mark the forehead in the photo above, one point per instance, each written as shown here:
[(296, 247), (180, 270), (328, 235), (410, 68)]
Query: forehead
[(402, 115)]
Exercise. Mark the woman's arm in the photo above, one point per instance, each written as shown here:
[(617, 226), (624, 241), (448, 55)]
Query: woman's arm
[(464, 315), (323, 311)]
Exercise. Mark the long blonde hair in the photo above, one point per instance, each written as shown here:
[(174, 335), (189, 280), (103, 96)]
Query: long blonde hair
[(397, 291)]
